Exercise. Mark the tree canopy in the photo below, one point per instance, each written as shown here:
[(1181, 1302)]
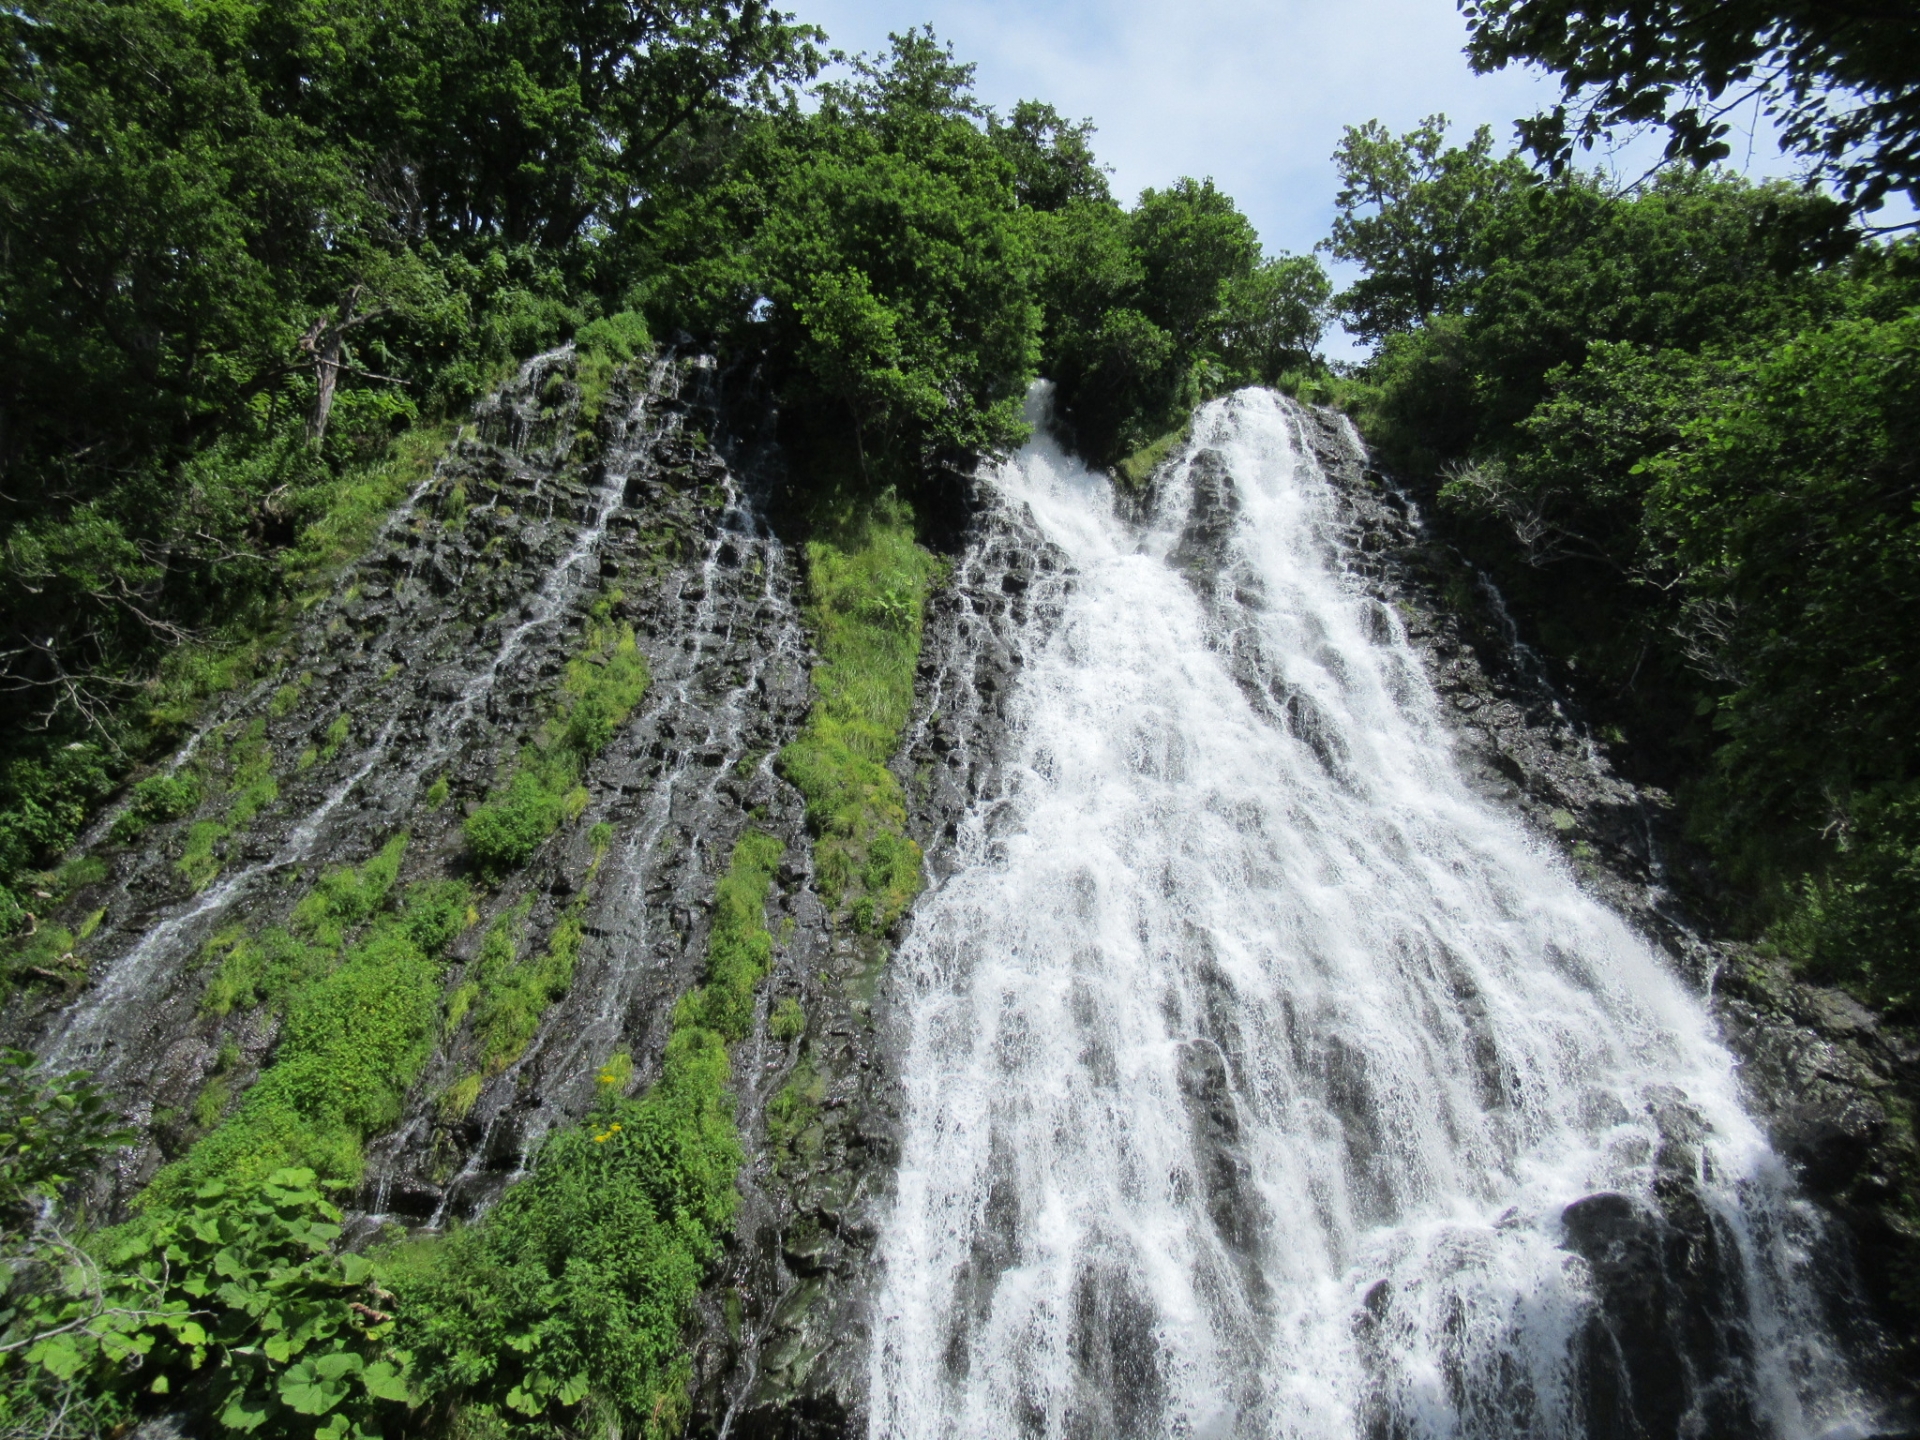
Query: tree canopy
[(1841, 78)]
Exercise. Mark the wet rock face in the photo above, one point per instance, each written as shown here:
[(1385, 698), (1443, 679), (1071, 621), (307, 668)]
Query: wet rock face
[(1836, 1086), (397, 705), (1830, 1081), (784, 1347), (1662, 1356), (433, 661)]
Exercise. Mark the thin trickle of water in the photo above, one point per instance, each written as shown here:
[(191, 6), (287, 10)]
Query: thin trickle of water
[(704, 699), (88, 1032), (1255, 1062), (249, 699), (103, 1010)]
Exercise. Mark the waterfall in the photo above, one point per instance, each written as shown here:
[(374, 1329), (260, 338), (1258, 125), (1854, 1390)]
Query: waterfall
[(1264, 1080)]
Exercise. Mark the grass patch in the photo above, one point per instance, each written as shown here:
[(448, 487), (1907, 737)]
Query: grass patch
[(335, 737), (1351, 396), (248, 790), (156, 799), (512, 995), (868, 584), (1135, 470), (603, 347), (288, 695), (269, 968), (604, 680), (359, 980), (348, 511), (573, 1294), (788, 1021)]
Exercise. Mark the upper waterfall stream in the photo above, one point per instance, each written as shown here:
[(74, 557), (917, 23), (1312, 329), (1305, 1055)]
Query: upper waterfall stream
[(1264, 1079)]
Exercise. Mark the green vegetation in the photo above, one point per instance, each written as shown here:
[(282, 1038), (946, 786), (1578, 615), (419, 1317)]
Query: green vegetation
[(1150, 311), (1836, 81), (508, 995), (224, 304), (791, 1112), (788, 1021), (867, 589), (604, 346), (157, 798), (1677, 424), (248, 789), (604, 680), (574, 1291), (1136, 469), (236, 1306), (359, 983)]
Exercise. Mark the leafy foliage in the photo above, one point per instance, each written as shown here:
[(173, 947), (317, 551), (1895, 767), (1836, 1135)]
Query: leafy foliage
[(1679, 435), (1842, 81), (1149, 311), (240, 248), (53, 1129), (235, 1305)]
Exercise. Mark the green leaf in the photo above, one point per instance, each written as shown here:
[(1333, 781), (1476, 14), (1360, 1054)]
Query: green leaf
[(519, 1399), (245, 1412), (308, 1393), (385, 1382), (59, 1356), (338, 1365), (574, 1391)]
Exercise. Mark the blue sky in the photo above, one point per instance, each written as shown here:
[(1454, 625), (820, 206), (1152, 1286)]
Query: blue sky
[(1251, 92)]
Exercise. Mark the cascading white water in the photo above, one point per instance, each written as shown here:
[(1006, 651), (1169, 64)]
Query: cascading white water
[(1252, 1067)]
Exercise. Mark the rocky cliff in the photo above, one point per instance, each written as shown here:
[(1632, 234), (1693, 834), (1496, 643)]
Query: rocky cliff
[(395, 708)]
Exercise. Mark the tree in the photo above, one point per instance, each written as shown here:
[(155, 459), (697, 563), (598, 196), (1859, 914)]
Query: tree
[(1431, 208), (1053, 163), (1271, 320), (1840, 77), (1193, 245), (547, 114), (238, 245), (882, 233)]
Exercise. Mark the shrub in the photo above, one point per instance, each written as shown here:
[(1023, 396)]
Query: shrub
[(233, 1307), (580, 1281), (156, 799)]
